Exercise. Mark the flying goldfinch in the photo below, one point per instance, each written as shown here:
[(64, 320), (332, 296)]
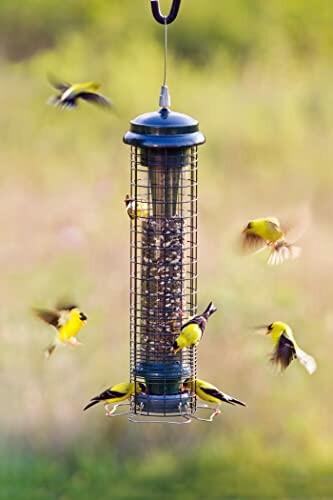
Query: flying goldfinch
[(70, 94), (67, 319), (208, 392), (286, 348), (262, 233), (116, 394), (193, 330), (135, 208)]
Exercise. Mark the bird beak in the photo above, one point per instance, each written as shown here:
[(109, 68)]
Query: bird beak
[(262, 327), (83, 317)]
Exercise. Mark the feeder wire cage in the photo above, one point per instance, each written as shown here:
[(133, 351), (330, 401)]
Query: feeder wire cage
[(163, 260)]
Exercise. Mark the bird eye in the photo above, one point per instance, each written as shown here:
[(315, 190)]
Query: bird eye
[(83, 317), (270, 327), (249, 226)]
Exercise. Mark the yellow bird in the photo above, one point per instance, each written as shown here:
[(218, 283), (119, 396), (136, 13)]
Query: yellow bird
[(71, 93), (286, 348), (115, 394), (268, 233), (208, 392), (67, 319), (139, 208), (193, 330)]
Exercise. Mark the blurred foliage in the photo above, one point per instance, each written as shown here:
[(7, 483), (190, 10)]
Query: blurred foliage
[(229, 473), (239, 29), (258, 76)]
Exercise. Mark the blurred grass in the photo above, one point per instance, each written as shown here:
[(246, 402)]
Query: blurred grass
[(258, 77), (226, 472)]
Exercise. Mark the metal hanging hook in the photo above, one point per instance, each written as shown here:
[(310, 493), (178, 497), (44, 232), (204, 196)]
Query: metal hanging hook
[(155, 7)]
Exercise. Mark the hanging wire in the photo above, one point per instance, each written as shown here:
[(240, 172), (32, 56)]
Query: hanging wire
[(165, 51), (164, 95), (165, 100)]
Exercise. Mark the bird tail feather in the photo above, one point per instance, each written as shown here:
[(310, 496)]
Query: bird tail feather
[(306, 360), (53, 101), (210, 309), (283, 252), (92, 403), (234, 401)]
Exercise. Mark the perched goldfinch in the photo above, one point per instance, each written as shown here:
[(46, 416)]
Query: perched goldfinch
[(208, 392), (70, 94), (193, 330), (67, 319), (116, 394), (136, 208), (262, 233), (286, 348)]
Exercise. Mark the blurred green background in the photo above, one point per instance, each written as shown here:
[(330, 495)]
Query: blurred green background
[(258, 76)]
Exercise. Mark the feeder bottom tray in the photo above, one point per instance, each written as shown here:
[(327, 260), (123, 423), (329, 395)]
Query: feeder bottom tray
[(176, 404)]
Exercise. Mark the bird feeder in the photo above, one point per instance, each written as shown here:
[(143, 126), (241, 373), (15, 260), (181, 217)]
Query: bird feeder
[(163, 254)]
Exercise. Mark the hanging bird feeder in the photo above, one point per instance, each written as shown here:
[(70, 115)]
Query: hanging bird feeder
[(163, 253)]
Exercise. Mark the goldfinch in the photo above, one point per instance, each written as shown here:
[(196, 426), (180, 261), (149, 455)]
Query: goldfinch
[(116, 394), (68, 321), (267, 233), (135, 208), (70, 94), (208, 392), (286, 348), (193, 330)]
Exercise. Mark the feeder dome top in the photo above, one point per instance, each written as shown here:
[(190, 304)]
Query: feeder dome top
[(164, 129)]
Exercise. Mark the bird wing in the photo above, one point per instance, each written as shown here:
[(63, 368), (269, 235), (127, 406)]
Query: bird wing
[(50, 317), (108, 394), (95, 98), (194, 329), (274, 221), (252, 242), (64, 317), (215, 393), (295, 224), (284, 352), (61, 86), (65, 305), (197, 320)]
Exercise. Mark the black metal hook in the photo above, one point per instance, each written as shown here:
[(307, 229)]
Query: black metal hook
[(155, 7)]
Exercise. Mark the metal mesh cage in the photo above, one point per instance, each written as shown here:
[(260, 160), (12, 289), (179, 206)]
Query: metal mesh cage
[(163, 271)]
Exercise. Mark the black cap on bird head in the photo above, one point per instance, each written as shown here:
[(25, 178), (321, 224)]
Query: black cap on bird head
[(268, 328), (83, 317), (248, 227), (128, 199)]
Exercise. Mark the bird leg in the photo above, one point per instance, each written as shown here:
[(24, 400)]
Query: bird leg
[(73, 342), (217, 410), (107, 410)]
